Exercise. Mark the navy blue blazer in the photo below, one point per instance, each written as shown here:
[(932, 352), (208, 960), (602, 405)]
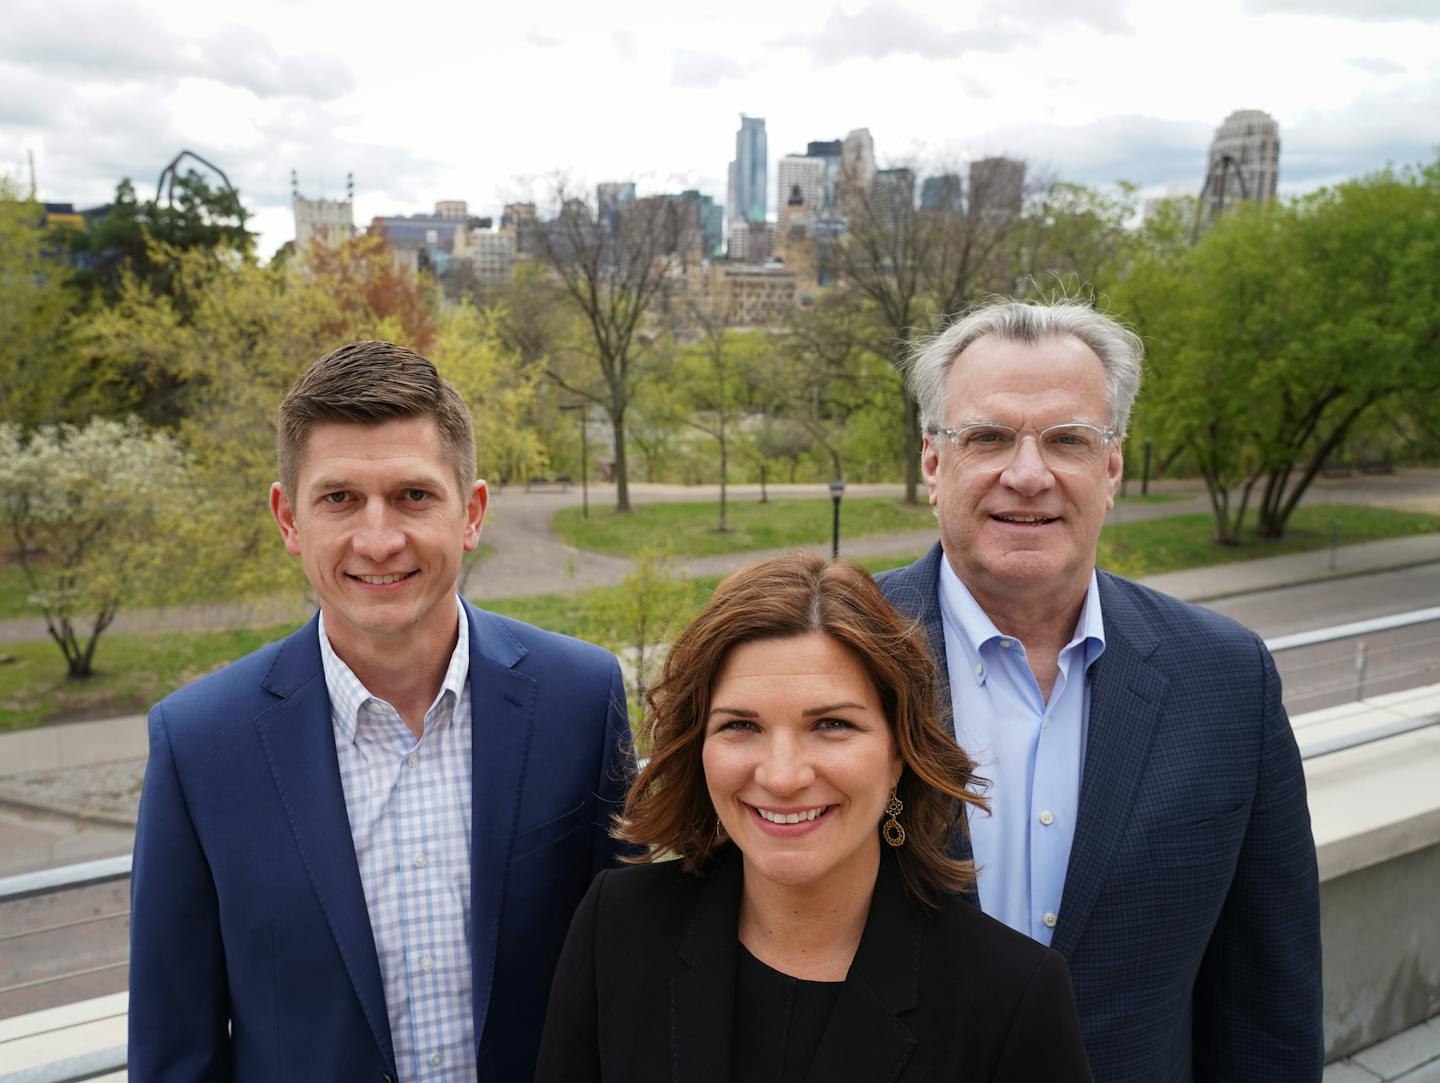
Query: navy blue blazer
[(251, 951), (1191, 911)]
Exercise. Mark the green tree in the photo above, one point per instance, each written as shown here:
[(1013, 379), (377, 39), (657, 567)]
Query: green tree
[(1283, 328), (193, 215), (38, 378), (94, 513), (610, 276)]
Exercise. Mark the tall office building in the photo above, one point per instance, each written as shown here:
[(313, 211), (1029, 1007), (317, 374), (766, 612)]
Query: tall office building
[(942, 192), (892, 198), (745, 201), (1244, 161), (857, 171), (828, 151), (610, 197), (799, 185), (997, 187)]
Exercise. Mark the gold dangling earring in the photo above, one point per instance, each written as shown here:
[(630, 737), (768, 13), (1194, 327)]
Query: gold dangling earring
[(892, 830)]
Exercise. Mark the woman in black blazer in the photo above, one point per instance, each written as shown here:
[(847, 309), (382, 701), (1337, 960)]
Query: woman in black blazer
[(794, 729)]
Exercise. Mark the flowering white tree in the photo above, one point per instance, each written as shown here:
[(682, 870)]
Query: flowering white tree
[(95, 513)]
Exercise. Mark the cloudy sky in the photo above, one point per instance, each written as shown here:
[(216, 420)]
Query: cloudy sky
[(431, 100)]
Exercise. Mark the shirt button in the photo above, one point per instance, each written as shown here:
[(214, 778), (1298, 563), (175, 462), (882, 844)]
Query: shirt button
[(1047, 817), (427, 964), (436, 1059), (419, 861), (411, 760), (1050, 920), (979, 670), (1004, 644)]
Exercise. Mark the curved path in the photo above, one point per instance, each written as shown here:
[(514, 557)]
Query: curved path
[(529, 558)]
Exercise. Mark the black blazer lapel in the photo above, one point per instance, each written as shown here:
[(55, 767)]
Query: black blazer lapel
[(1126, 693), (864, 1038), (502, 712), (702, 996), (299, 743)]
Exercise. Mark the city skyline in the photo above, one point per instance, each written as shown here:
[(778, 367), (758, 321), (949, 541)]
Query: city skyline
[(438, 103)]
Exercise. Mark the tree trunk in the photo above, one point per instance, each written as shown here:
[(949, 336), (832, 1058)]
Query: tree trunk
[(724, 470), (622, 482), (912, 451)]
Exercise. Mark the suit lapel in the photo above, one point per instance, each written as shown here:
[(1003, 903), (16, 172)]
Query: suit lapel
[(702, 996), (299, 743), (864, 1038), (502, 711), (1126, 694)]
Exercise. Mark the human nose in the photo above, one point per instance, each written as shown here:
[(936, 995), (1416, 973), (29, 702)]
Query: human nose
[(784, 766), (1028, 473), (378, 537)]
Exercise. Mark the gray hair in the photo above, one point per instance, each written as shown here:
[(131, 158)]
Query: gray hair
[(1119, 349)]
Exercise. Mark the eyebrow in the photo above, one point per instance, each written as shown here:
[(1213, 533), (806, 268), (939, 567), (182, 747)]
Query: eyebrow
[(420, 481), (809, 712)]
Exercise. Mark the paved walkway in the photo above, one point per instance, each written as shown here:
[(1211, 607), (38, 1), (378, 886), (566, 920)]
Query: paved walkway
[(1412, 1056), (530, 559)]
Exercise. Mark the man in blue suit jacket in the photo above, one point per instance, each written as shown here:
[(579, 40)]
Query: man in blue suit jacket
[(359, 848), (1148, 805)]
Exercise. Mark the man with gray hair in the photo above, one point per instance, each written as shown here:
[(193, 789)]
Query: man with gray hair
[(1148, 816)]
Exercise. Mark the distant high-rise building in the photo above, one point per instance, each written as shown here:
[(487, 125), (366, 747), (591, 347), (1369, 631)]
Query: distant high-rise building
[(943, 192), (610, 196), (892, 198), (745, 200), (452, 208), (710, 220), (828, 151), (997, 186), (1244, 161), (800, 185), (857, 171)]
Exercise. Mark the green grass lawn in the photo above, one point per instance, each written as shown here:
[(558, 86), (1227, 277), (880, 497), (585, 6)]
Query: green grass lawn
[(136, 670), (688, 529)]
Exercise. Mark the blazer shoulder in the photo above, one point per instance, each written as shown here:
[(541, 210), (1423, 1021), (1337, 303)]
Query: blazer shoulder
[(235, 686), (542, 646), (1186, 627)]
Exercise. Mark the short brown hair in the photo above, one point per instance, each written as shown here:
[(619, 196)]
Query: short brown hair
[(367, 383), (668, 808)]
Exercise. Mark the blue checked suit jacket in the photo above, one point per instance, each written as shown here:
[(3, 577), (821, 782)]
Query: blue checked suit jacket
[(1191, 912), (252, 956)]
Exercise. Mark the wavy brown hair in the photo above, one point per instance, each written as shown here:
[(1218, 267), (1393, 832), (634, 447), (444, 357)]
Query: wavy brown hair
[(668, 809)]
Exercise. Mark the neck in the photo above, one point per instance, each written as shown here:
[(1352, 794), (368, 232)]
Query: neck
[(1042, 620), (407, 674), (810, 931)]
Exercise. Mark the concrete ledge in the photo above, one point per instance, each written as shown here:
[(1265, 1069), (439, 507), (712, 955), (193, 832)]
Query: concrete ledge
[(78, 1041), (1379, 801), (74, 744)]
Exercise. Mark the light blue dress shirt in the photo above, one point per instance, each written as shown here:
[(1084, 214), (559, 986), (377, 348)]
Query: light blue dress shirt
[(1031, 751), (408, 800)]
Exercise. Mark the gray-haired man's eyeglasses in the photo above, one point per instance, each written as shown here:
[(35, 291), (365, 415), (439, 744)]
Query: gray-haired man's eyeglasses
[(990, 446)]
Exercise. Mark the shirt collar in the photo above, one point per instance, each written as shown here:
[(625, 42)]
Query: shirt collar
[(960, 610), (348, 696)]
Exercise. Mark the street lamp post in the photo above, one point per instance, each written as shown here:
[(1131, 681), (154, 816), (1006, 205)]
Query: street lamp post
[(584, 458), (837, 490)]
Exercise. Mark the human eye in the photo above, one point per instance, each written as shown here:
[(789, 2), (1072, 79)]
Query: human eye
[(735, 726), (416, 496), (986, 438), (339, 496), (834, 725), (1072, 439)]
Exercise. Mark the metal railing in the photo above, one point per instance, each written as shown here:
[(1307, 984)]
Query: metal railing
[(1363, 657)]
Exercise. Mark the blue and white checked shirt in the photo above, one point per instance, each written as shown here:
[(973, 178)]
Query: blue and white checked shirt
[(1032, 751), (409, 807)]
